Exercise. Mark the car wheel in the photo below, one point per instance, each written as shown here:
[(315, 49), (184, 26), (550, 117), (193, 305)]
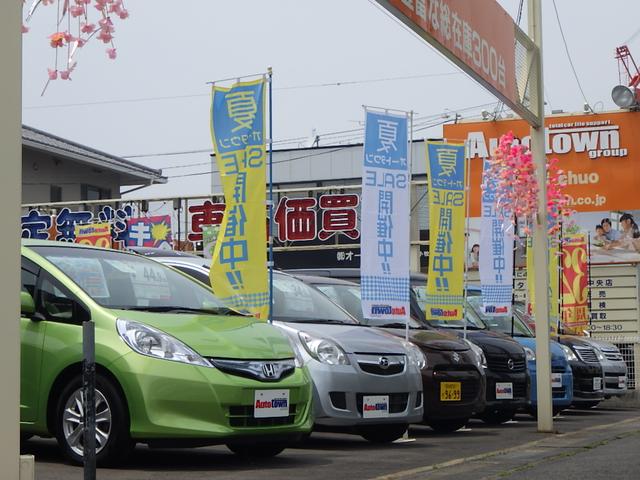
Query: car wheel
[(256, 450), (496, 417), (585, 405), (447, 426), (383, 433), (113, 442)]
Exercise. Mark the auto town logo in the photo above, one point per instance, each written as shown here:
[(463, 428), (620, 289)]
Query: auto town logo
[(494, 309), (376, 407), (504, 390), (274, 403), (388, 310)]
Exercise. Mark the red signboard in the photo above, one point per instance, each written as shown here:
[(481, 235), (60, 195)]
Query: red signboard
[(480, 35), (575, 283)]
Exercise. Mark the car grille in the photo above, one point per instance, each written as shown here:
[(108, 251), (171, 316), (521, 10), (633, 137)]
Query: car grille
[(613, 356), (242, 416), (262, 370), (585, 383), (586, 354), (397, 401), (557, 368), (558, 392), (613, 385), (500, 363), (381, 364)]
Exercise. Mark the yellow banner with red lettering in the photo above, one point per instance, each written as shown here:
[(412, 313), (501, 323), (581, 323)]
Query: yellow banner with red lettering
[(575, 284), (95, 234), (554, 293)]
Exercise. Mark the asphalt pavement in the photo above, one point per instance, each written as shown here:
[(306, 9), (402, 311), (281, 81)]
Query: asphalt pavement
[(599, 443)]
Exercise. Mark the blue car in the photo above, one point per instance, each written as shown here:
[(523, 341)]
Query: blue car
[(561, 375)]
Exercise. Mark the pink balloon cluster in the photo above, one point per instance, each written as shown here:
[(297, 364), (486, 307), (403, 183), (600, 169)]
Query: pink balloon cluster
[(513, 173), (77, 16)]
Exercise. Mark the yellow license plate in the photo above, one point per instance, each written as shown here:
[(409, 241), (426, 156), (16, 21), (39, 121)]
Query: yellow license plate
[(450, 391)]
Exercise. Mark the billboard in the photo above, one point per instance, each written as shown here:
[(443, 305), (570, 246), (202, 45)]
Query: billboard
[(596, 151)]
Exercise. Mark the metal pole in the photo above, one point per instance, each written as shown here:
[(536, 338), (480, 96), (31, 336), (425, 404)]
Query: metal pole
[(589, 297), (467, 188), (406, 326), (540, 242), (513, 274), (89, 396), (559, 267), (11, 153), (271, 209)]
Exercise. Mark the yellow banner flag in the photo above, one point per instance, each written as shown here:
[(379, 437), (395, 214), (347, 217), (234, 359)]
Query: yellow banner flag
[(554, 293), (239, 274), (447, 173)]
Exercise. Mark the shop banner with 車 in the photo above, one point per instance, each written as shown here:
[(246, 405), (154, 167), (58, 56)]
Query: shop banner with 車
[(384, 218), (575, 284), (496, 255), (446, 171), (96, 234), (239, 266)]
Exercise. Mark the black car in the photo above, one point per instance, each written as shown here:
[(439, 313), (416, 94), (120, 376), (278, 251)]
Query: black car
[(507, 378), (453, 380)]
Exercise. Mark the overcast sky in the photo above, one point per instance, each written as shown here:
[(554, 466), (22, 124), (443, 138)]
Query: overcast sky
[(171, 49)]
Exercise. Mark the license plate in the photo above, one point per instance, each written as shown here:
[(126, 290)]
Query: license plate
[(375, 406), (271, 403), (622, 382), (597, 383), (504, 391), (450, 391), (556, 380)]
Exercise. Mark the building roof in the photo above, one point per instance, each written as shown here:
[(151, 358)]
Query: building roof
[(131, 173)]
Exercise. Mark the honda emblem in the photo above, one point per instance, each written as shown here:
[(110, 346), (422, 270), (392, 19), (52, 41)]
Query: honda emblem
[(269, 370)]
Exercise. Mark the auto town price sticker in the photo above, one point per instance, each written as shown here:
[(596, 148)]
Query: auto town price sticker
[(375, 406), (597, 383), (271, 403), (622, 382), (556, 380), (450, 391), (504, 391)]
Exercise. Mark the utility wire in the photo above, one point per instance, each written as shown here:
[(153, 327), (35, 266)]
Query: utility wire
[(575, 74)]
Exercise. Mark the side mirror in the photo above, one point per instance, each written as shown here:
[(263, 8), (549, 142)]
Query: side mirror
[(27, 305)]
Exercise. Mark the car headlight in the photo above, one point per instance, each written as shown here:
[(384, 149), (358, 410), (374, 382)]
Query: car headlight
[(152, 342), (571, 356), (481, 360), (416, 357), (299, 361), (323, 349), (531, 355)]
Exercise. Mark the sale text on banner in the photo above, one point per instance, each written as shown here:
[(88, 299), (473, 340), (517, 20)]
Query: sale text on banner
[(239, 265), (384, 218), (97, 235), (496, 255), (575, 283), (446, 170)]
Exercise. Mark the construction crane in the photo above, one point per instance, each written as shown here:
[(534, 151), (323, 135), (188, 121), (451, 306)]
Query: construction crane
[(627, 93)]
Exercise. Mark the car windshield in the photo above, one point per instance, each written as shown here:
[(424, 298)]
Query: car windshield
[(502, 323), (295, 301), (130, 282), (348, 297), (471, 321)]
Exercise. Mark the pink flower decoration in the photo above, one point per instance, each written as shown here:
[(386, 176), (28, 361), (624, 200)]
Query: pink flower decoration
[(105, 36), (76, 10), (123, 14), (81, 42), (106, 25), (24, 28), (53, 74), (111, 52), (87, 27), (56, 39)]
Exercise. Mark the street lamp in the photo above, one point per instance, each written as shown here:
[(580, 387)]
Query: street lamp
[(626, 97)]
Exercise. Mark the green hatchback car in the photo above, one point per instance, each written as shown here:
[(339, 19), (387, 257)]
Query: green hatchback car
[(174, 367)]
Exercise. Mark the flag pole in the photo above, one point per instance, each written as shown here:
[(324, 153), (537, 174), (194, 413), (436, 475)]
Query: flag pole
[(270, 263), (406, 326), (467, 187)]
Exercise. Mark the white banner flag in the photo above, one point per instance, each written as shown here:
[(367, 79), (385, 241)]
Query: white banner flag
[(384, 264), (496, 256)]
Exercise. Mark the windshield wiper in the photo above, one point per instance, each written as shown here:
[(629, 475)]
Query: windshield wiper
[(392, 325), (317, 320), (177, 309)]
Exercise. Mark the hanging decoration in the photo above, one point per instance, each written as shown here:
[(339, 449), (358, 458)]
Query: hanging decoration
[(513, 172), (76, 23)]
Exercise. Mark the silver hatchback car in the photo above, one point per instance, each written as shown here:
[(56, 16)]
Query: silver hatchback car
[(366, 381)]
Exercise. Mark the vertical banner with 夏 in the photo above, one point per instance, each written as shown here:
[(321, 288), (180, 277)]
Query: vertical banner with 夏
[(446, 171), (575, 284), (496, 255), (554, 280), (239, 273), (385, 218), (531, 278)]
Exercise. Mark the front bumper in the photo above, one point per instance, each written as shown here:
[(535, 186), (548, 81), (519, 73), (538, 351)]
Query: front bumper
[(519, 384), (562, 396), (171, 402), (338, 392), (583, 381), (615, 379), (473, 390)]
